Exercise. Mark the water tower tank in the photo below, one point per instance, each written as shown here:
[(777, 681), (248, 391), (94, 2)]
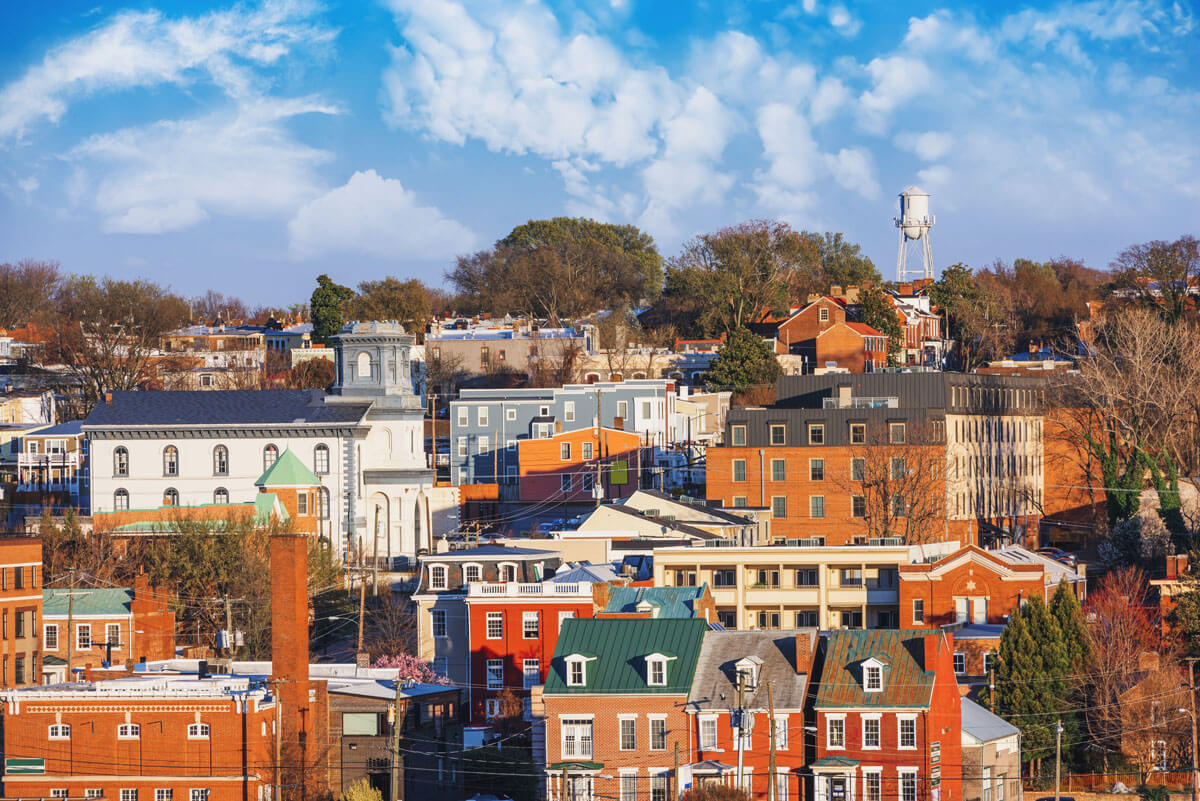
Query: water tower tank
[(914, 212)]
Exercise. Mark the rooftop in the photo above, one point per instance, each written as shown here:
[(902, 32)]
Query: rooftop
[(983, 725), (907, 679), (620, 648), (98, 601), (670, 602), (223, 407), (715, 685)]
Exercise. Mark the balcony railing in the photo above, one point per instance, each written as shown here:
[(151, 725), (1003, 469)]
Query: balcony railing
[(511, 589), (66, 459), (862, 402)]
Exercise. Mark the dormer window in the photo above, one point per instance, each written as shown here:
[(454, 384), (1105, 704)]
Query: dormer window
[(437, 577), (873, 675), (656, 669), (577, 669), (747, 669)]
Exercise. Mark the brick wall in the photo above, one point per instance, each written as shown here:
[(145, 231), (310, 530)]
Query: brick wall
[(20, 611)]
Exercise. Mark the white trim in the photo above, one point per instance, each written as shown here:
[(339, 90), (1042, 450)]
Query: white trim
[(878, 718), (899, 719)]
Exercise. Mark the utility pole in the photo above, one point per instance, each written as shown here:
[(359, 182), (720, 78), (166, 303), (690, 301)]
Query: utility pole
[(228, 628), (70, 624), (992, 690), (278, 745), (1192, 697), (397, 724), (1058, 730), (741, 729), (675, 772), (598, 490), (771, 796), (362, 602)]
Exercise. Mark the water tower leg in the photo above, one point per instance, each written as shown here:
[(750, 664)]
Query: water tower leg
[(927, 253), (902, 257)]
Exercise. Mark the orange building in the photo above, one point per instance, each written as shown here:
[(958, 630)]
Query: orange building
[(821, 334), (20, 610), (564, 467)]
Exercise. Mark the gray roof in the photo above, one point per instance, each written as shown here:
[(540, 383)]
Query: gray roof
[(672, 525), (62, 429), (983, 725), (714, 686), (585, 572), (223, 407), (487, 552), (1055, 570), (701, 509), (979, 631)]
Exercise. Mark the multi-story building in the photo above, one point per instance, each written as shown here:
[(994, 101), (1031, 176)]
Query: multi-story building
[(822, 336), (615, 702), (991, 749), (486, 425), (888, 718), (110, 626), (922, 456), (744, 664), (578, 466), (790, 586), (52, 469), (443, 633), (20, 610), (517, 346), (363, 440)]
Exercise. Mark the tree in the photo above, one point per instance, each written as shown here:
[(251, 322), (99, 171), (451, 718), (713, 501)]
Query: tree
[(978, 314), (406, 302), (743, 361), (444, 372), (1064, 605), (327, 308), (361, 790), (214, 306), (312, 374), (876, 310), (27, 291), (1161, 275), (842, 262), (411, 669), (1184, 619)]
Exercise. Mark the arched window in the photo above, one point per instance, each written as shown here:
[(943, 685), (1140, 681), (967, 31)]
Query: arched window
[(321, 460), (270, 454), (171, 497), (120, 462), (220, 495), (323, 500), (508, 572), (197, 731), (220, 461), (129, 731), (121, 500), (170, 461), (639, 375), (363, 371)]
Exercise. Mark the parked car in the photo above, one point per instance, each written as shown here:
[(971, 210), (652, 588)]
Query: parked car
[(1058, 555)]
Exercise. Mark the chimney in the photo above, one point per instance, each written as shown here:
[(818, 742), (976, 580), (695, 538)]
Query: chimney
[(844, 393), (108, 398), (601, 592), (804, 651), (289, 638)]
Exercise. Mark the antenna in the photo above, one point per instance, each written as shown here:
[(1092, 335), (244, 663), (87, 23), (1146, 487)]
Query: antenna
[(914, 223)]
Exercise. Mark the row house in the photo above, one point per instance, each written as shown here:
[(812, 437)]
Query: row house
[(578, 466), (924, 343), (920, 455), (794, 585), (517, 347), (52, 469), (991, 751), (822, 336), (104, 625), (21, 582), (487, 425), (888, 718)]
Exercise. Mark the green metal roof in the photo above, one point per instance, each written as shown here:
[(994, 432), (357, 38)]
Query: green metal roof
[(907, 677), (672, 602), (621, 646), (570, 766), (103, 601), (288, 471), (263, 506), (835, 762)]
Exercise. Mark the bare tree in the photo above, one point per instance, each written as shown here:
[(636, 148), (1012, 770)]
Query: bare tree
[(1163, 276), (443, 373), (554, 362), (27, 291)]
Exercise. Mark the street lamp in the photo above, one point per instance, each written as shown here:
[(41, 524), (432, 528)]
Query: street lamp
[(1195, 773)]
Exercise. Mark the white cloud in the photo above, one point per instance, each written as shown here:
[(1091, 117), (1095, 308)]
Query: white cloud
[(895, 80), (927, 146), (377, 217), (854, 170)]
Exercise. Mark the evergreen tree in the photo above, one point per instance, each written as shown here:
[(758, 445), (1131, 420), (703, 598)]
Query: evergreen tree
[(1069, 614), (875, 310), (743, 361), (327, 308)]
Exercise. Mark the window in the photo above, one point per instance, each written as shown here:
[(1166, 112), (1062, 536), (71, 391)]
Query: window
[(576, 673), (20, 616), (858, 433), (806, 619), (658, 787), (220, 461), (823, 314), (564, 482), (586, 451), (83, 636), (858, 506), (908, 732), (646, 413), (739, 469), (656, 673), (768, 620), (199, 794), (781, 731), (589, 481), (321, 460), (58, 792), (658, 734), (870, 732), (129, 731), (508, 572), (171, 497), (437, 577), (898, 506), (898, 469), (807, 577), (510, 414), (483, 445), (495, 625), (129, 794), (816, 469), (835, 732), (481, 416), (851, 618), (220, 495), (768, 578), (163, 794), (908, 786), (737, 436), (873, 783), (495, 674), (739, 501), (270, 454), (779, 506), (816, 434), (50, 638), (708, 733), (471, 573), (960, 662), (623, 410), (725, 577), (121, 500), (530, 626), (779, 470), (816, 506), (170, 461), (323, 503), (918, 610), (60, 731), (858, 469), (569, 411), (531, 672), (851, 577), (439, 622), (19, 669), (988, 662), (873, 678), (628, 733), (463, 416), (896, 433), (629, 784), (112, 635), (564, 451), (197, 731), (576, 739), (462, 446), (778, 434)]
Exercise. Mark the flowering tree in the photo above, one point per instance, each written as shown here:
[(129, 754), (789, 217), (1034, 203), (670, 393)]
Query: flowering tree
[(411, 669)]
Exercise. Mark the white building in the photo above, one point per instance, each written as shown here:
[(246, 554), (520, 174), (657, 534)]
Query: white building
[(363, 440)]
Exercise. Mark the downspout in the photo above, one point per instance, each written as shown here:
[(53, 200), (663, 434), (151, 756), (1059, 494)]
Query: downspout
[(762, 479)]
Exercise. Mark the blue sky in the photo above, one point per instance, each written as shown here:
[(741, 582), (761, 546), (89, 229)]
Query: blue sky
[(249, 147)]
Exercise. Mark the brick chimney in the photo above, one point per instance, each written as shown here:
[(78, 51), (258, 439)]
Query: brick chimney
[(601, 592), (289, 640), (805, 642), (1176, 566)]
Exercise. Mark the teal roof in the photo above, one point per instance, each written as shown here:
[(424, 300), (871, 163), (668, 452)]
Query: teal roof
[(835, 762), (265, 504), (672, 602), (908, 675), (620, 647), (103, 601), (288, 471)]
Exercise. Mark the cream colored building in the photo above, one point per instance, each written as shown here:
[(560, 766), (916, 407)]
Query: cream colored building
[(785, 586), (995, 463)]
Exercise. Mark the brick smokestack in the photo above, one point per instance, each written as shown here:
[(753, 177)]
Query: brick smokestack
[(601, 592), (804, 651), (289, 642)]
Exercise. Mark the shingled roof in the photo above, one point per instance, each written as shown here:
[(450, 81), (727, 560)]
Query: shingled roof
[(908, 676), (715, 685), (223, 407), (620, 647)]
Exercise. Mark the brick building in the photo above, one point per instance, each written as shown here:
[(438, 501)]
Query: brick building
[(822, 336), (614, 707), (565, 467), (888, 718), (20, 610), (111, 625)]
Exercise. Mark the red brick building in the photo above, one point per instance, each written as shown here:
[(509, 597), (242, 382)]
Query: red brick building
[(20, 610), (821, 334), (888, 718), (564, 467)]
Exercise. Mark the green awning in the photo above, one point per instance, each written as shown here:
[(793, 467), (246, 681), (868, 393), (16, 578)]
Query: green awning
[(559, 767), (835, 762)]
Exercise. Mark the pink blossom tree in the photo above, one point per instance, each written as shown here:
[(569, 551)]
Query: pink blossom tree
[(411, 669)]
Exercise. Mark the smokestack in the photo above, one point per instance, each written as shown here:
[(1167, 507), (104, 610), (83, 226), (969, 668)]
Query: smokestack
[(289, 639), (804, 651), (108, 398)]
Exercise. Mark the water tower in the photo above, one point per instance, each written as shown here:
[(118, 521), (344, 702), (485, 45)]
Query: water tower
[(914, 223)]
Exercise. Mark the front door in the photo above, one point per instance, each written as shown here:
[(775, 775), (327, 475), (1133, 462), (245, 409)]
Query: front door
[(837, 788), (579, 788)]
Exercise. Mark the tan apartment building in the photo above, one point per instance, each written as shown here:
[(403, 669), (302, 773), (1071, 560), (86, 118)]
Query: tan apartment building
[(797, 586)]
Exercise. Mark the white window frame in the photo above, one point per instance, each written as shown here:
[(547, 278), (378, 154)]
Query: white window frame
[(872, 678), (574, 663), (960, 657), (585, 451), (526, 618), (129, 731), (481, 416), (576, 723), (830, 719), (464, 416), (918, 605), (569, 411), (629, 785), (498, 619), (59, 731), (108, 632), (877, 775), (564, 451), (900, 721), (198, 731), (510, 414), (494, 672), (708, 733), (903, 774), (437, 619), (163, 793), (129, 794), (877, 719), (439, 570), (656, 721), (531, 668), (622, 720), (46, 629), (198, 794), (79, 629), (781, 732), (478, 572)]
